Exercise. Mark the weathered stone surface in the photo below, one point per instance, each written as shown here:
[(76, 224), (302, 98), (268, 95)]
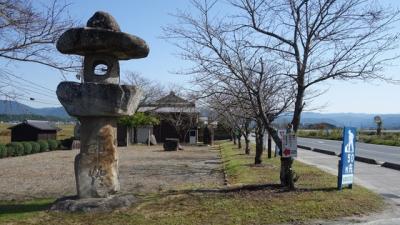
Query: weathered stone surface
[(77, 131), (74, 204), (111, 74), (99, 100), (103, 20), (90, 41), (95, 99), (96, 166)]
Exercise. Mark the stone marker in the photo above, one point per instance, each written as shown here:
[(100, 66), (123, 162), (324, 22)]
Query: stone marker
[(99, 100)]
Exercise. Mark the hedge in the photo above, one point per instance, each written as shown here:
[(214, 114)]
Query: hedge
[(35, 147), (27, 148), (53, 144), (10, 150), (18, 148), (44, 146), (3, 151)]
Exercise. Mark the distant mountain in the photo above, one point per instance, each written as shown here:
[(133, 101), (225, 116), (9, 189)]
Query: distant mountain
[(16, 108), (359, 120)]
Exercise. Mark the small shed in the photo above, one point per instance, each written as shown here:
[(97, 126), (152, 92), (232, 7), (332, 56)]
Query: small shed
[(33, 130)]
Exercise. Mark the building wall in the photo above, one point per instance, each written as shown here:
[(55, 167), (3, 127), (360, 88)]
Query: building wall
[(24, 132), (166, 130), (143, 134)]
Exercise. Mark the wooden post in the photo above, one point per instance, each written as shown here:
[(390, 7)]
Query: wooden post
[(269, 146), (148, 139)]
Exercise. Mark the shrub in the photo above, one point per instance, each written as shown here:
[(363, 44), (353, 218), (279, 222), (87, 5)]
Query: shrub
[(53, 144), (10, 150), (27, 148), (35, 147), (44, 146), (67, 143), (15, 149), (18, 148), (312, 134), (3, 151)]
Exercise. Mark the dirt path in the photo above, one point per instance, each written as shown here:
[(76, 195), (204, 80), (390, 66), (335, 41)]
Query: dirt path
[(142, 170)]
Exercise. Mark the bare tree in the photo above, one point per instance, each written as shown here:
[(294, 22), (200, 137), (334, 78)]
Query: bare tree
[(28, 33), (232, 116), (225, 64), (151, 90), (182, 119), (318, 40)]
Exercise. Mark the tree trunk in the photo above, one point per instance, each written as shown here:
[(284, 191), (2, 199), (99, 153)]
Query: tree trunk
[(298, 108), (286, 175), (234, 139), (269, 146), (247, 144), (259, 143), (239, 140)]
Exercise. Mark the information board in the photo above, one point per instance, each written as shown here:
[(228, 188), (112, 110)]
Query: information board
[(289, 145), (347, 159)]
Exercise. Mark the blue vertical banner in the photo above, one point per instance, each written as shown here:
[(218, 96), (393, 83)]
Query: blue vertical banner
[(347, 159)]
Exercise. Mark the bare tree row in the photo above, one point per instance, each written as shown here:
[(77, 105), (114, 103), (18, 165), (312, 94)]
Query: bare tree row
[(261, 58)]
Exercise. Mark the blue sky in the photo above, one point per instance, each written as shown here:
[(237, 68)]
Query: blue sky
[(146, 18)]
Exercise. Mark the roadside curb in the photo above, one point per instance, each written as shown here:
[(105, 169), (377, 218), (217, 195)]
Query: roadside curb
[(358, 158), (391, 165), (304, 147), (366, 160), (323, 151)]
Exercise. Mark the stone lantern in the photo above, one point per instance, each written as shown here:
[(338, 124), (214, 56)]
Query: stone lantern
[(99, 100)]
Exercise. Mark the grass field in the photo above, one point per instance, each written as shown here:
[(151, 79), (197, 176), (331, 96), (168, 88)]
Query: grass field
[(5, 134), (390, 138), (67, 130), (316, 197)]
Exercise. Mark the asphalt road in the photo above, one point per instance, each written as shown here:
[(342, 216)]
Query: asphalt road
[(378, 152), (381, 180)]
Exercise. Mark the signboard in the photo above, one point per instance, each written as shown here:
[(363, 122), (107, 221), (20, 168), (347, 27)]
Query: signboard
[(346, 162), (289, 145), (281, 133)]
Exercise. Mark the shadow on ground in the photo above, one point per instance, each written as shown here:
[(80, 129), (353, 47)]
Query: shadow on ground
[(16, 208)]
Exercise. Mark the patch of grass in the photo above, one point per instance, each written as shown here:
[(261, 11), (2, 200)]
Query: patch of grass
[(316, 197), (5, 133), (67, 131), (13, 211), (316, 190), (390, 139)]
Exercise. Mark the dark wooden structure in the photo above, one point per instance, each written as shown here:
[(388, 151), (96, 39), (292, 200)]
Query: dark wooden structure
[(33, 130), (171, 110)]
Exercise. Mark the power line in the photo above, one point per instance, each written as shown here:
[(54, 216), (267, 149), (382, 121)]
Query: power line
[(27, 89), (28, 81)]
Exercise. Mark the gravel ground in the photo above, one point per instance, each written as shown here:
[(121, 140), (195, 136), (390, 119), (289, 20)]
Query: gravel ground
[(142, 170)]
